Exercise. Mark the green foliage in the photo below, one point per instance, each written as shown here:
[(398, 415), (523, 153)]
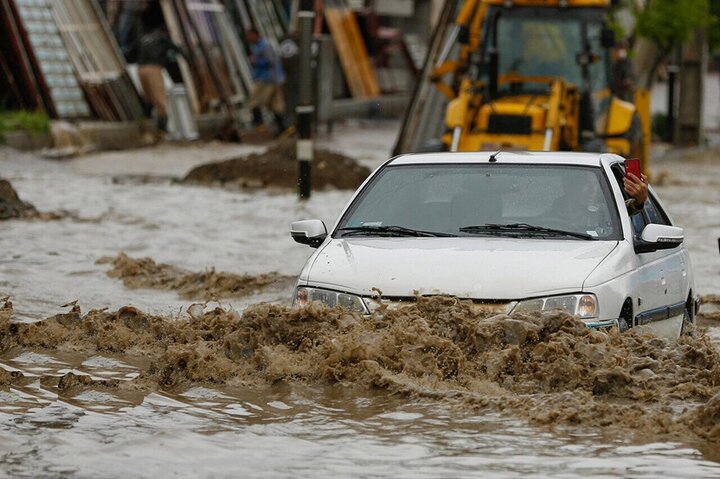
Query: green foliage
[(30, 121), (714, 27), (669, 22), (617, 28), (613, 20)]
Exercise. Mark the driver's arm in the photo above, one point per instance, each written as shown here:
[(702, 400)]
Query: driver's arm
[(637, 189)]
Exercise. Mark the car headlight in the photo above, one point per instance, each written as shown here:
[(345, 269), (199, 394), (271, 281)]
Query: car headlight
[(305, 295), (584, 306)]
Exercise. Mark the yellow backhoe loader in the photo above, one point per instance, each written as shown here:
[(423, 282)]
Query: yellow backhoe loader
[(525, 74)]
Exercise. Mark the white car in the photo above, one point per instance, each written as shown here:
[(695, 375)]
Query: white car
[(510, 230)]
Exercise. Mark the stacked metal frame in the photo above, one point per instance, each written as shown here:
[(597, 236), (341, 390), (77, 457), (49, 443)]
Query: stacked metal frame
[(420, 119), (97, 60), (216, 70), (19, 88), (268, 17), (268, 20), (37, 62)]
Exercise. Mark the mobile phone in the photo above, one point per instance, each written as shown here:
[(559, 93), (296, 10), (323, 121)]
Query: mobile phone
[(633, 166)]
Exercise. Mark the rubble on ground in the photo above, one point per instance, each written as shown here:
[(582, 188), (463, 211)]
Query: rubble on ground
[(206, 285), (278, 167), (11, 206)]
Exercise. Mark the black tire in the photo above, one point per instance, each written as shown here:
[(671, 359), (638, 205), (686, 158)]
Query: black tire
[(688, 323), (626, 314), (623, 325)]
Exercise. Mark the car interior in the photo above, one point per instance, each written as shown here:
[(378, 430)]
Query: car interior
[(445, 200)]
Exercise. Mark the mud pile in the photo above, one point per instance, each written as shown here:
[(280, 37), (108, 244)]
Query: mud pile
[(11, 206), (547, 367), (710, 307), (277, 167), (207, 285)]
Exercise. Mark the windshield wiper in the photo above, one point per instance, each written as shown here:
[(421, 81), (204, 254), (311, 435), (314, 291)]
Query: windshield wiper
[(388, 230), (522, 228)]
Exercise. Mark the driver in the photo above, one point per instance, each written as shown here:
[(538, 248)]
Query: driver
[(582, 203), (637, 189)]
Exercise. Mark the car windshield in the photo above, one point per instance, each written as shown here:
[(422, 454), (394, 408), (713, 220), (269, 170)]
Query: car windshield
[(536, 47), (539, 47), (533, 201)]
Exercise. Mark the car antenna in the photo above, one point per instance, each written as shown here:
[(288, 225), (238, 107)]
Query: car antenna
[(493, 157)]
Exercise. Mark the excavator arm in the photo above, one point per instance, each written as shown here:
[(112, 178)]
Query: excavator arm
[(468, 32)]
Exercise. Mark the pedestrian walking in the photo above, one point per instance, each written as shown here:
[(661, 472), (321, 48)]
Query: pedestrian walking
[(269, 78), (155, 51)]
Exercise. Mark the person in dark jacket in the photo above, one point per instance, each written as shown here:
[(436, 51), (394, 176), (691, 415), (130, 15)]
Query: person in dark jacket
[(155, 51), (623, 74)]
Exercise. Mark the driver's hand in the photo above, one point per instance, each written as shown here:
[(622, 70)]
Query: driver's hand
[(636, 187)]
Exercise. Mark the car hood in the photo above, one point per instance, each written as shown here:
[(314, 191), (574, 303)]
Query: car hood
[(481, 268)]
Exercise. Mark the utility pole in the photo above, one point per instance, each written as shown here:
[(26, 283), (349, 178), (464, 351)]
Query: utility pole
[(672, 70), (305, 110)]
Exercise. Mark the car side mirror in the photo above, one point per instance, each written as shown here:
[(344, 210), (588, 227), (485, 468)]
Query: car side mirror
[(655, 237), (309, 232)]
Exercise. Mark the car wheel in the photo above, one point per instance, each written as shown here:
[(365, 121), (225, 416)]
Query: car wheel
[(623, 325), (688, 325)]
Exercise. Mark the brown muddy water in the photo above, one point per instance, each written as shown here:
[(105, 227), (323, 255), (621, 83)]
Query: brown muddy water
[(137, 381)]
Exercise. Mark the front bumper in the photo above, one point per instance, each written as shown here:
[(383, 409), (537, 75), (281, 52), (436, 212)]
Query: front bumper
[(495, 307), (603, 324)]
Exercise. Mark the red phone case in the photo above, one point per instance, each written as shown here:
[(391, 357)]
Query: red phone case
[(633, 166)]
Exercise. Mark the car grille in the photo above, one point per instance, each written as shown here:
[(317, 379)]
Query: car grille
[(491, 306)]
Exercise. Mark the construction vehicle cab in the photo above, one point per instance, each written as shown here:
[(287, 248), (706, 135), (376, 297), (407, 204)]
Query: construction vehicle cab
[(536, 75)]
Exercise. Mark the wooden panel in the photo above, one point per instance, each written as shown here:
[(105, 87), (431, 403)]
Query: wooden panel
[(354, 59), (333, 17), (367, 71)]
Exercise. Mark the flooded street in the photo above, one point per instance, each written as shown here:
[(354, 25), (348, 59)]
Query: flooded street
[(134, 381)]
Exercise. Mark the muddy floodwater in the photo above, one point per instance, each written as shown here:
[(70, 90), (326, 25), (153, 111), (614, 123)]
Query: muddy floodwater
[(147, 334)]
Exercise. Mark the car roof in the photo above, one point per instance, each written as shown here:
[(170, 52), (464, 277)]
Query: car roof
[(536, 157)]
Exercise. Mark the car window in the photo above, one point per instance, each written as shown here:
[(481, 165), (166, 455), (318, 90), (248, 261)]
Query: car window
[(651, 212), (447, 198), (654, 213), (639, 222)]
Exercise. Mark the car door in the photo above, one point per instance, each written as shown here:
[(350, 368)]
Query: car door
[(675, 265), (657, 279), (662, 278)]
